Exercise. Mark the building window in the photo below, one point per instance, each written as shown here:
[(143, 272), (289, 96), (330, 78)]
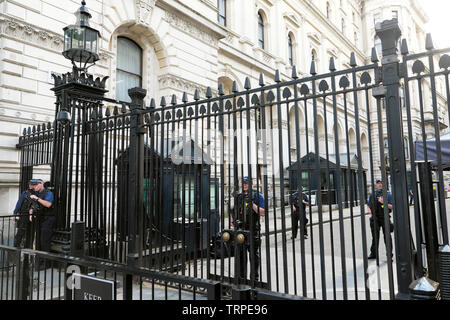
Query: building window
[(343, 26), (376, 18), (402, 96), (222, 15), (290, 50), (328, 11), (405, 148), (378, 46), (395, 14), (355, 37), (260, 31), (129, 67)]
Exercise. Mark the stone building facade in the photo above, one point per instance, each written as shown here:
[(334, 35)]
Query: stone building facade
[(183, 45)]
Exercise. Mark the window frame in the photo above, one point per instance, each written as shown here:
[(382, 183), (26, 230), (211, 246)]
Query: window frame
[(219, 15), (141, 75), (261, 31), (290, 49)]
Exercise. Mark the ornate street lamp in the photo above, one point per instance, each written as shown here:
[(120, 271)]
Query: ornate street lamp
[(81, 41)]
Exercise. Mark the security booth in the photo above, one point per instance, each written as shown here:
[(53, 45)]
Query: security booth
[(179, 198), (329, 188)]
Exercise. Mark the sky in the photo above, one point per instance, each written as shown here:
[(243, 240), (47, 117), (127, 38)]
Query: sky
[(438, 12)]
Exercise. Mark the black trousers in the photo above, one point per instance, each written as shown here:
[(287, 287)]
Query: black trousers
[(377, 222), (46, 232), (299, 215), (24, 232), (254, 258)]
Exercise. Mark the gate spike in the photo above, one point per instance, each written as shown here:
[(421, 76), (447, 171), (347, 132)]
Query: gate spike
[(429, 42), (39, 128), (404, 48), (261, 80), (220, 90), (208, 92), (234, 87), (108, 112), (277, 76), (247, 83), (332, 67), (34, 129), (374, 57), (163, 101), (44, 127), (174, 99), (152, 104), (313, 68), (294, 72), (184, 98), (24, 131), (352, 60), (196, 95)]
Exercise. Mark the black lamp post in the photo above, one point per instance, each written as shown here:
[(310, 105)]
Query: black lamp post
[(81, 41)]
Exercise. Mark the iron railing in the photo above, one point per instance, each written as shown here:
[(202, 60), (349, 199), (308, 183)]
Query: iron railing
[(157, 185)]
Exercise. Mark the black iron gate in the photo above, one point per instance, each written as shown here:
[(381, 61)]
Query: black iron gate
[(160, 186)]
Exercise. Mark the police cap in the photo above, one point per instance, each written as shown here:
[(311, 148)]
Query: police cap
[(246, 180), (34, 182)]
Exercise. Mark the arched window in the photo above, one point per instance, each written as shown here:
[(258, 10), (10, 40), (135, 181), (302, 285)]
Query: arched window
[(290, 50), (222, 12), (129, 67), (260, 31)]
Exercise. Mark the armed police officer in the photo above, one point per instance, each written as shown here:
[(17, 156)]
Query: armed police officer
[(376, 205), (299, 201), (23, 211), (45, 216), (249, 207)]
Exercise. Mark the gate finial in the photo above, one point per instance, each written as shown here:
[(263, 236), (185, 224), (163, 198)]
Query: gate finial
[(404, 48), (332, 67), (294, 73), (429, 42)]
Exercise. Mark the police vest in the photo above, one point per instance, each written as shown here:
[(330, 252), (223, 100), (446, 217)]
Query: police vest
[(244, 211)]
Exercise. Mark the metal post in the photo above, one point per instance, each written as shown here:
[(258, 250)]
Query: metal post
[(77, 239), (241, 292), (214, 291), (429, 219), (389, 33), (136, 176)]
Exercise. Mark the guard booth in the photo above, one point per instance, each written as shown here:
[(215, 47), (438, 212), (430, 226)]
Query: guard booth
[(310, 177), (181, 215)]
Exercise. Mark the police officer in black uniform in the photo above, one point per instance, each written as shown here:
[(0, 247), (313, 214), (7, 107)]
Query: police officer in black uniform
[(44, 215), (24, 209), (376, 204), (299, 201), (247, 210)]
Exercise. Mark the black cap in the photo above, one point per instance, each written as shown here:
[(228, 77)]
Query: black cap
[(34, 182), (245, 180)]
